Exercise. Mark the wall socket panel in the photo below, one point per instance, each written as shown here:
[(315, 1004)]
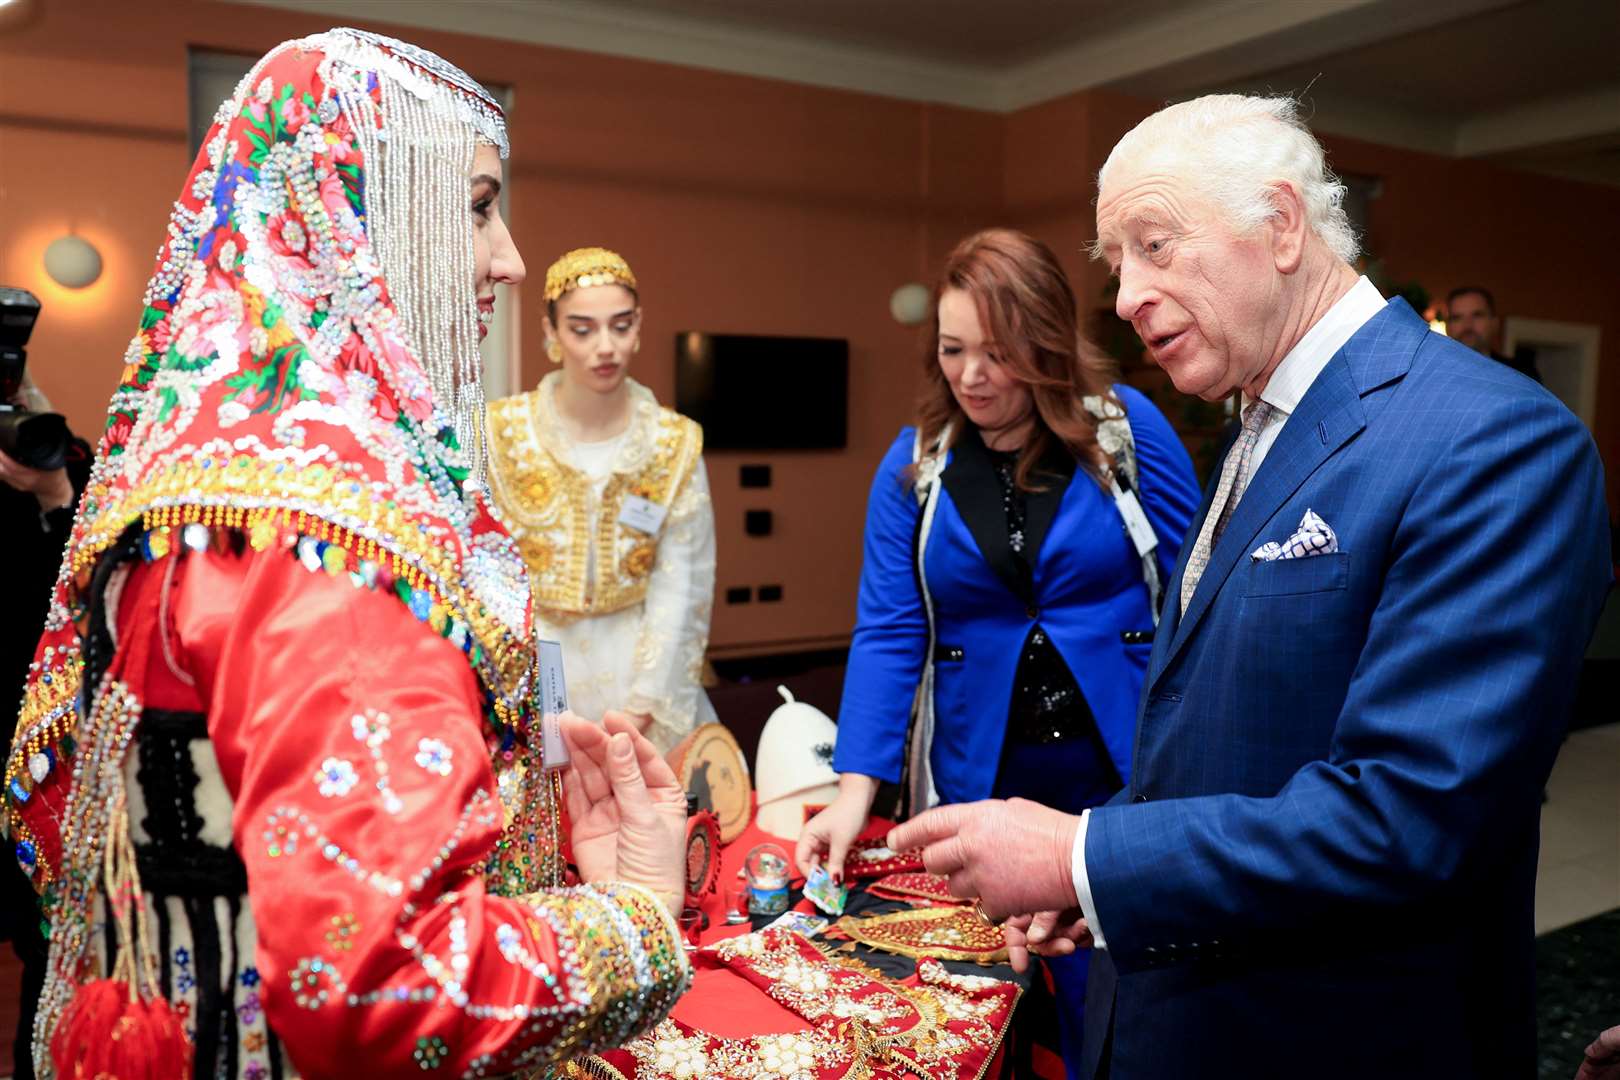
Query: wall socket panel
[(758, 522)]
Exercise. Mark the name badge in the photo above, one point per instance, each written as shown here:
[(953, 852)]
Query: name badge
[(642, 515), (1136, 522), (553, 698)]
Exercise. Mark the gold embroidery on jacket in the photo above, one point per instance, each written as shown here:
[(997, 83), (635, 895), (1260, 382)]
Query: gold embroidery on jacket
[(550, 509)]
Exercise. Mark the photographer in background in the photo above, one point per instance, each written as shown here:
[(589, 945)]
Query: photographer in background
[(36, 512)]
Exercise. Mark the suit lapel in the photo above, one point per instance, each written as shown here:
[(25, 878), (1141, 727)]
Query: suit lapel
[(1329, 416), (970, 481)]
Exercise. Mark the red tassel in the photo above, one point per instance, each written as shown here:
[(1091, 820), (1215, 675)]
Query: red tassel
[(104, 1032)]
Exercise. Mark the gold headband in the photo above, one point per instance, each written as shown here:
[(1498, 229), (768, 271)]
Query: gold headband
[(585, 267)]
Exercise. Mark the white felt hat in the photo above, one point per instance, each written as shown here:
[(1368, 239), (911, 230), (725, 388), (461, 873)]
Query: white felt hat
[(793, 768)]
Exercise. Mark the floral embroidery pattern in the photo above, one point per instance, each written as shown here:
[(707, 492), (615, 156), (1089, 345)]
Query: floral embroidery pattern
[(681, 1057), (430, 1052), (183, 981), (372, 729), (310, 980), (344, 927), (434, 756), (792, 1056), (249, 1010), (335, 778), (279, 840), (935, 1024)]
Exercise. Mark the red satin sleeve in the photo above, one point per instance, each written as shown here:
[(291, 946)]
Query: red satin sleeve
[(349, 738)]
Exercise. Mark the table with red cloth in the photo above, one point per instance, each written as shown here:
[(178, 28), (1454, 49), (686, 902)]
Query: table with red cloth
[(725, 1005)]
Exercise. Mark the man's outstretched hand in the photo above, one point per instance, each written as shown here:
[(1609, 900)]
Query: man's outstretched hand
[(1015, 856)]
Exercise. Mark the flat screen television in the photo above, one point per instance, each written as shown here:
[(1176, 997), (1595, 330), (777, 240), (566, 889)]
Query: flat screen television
[(752, 392)]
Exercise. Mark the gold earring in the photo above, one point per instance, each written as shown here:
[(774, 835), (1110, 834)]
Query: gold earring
[(554, 352), (635, 346)]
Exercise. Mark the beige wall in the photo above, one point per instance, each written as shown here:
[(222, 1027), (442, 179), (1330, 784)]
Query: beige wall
[(743, 204)]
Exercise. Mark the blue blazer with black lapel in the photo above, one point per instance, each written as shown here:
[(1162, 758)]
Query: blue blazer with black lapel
[(1324, 863), (1086, 590)]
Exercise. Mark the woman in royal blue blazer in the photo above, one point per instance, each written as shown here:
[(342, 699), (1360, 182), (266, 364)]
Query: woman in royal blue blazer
[(1042, 616)]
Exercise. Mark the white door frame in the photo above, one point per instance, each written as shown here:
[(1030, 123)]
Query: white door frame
[(1583, 337)]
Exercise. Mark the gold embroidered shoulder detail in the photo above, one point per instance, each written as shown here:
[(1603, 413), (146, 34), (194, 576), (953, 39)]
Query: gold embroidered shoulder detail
[(579, 562)]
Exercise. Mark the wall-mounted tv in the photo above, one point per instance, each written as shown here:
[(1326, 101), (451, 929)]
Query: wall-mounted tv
[(752, 392)]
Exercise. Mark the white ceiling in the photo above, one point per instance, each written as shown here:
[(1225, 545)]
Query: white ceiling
[(1535, 83)]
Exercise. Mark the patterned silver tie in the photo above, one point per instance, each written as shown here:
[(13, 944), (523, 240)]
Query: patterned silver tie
[(1234, 478)]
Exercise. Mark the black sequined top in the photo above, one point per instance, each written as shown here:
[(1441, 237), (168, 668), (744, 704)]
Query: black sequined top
[(1047, 705)]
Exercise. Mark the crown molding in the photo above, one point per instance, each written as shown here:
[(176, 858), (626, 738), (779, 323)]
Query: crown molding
[(1202, 41), (1202, 45), (688, 42), (1177, 38), (1540, 123)]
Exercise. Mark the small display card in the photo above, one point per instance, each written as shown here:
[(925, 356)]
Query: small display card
[(643, 515), (553, 697), (800, 922), (820, 891)]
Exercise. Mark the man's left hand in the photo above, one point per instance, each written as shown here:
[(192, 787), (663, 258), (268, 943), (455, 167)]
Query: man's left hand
[(1047, 933), (51, 487), (1015, 856)]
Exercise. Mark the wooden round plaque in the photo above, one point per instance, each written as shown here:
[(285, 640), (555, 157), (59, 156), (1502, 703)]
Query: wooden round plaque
[(710, 765)]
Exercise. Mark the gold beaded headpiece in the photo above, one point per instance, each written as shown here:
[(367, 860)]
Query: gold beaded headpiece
[(584, 267)]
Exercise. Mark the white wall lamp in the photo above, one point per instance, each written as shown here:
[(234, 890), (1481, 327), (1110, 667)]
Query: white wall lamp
[(72, 261), (15, 12), (909, 304)]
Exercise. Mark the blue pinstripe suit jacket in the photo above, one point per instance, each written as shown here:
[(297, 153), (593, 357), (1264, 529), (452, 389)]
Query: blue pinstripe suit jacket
[(1324, 863)]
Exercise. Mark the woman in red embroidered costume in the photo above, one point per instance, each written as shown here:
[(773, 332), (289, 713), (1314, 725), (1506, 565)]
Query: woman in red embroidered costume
[(275, 772)]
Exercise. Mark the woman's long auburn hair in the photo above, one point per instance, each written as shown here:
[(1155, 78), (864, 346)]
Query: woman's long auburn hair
[(1028, 313)]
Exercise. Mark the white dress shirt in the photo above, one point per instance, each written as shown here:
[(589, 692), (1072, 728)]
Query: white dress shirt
[(1284, 391)]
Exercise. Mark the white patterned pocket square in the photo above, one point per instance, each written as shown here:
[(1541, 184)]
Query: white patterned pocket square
[(1314, 537)]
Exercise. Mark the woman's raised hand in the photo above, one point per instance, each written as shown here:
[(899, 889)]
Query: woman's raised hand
[(828, 835), (626, 808)]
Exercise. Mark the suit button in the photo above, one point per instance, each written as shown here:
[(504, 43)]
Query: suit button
[(1139, 798), (1032, 611)]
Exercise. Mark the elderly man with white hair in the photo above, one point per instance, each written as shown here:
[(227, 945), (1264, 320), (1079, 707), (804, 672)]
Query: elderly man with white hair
[(1323, 863)]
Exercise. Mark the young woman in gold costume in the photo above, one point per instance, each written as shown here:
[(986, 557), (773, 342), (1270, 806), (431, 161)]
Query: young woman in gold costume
[(606, 493)]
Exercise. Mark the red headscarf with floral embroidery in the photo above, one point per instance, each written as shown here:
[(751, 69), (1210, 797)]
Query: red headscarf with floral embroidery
[(276, 389)]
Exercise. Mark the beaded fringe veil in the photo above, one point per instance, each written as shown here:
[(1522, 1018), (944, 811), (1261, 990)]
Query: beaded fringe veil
[(416, 200)]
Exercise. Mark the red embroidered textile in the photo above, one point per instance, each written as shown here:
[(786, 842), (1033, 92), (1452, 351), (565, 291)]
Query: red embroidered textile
[(916, 888), (934, 1024)]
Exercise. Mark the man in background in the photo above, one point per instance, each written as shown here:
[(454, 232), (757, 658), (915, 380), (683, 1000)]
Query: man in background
[(1472, 320), (36, 512)]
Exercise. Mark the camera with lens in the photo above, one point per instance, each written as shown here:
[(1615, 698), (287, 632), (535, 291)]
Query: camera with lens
[(38, 440)]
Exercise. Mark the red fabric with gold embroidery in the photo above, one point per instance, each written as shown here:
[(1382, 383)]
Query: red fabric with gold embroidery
[(916, 889), (934, 1024), (873, 858)]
